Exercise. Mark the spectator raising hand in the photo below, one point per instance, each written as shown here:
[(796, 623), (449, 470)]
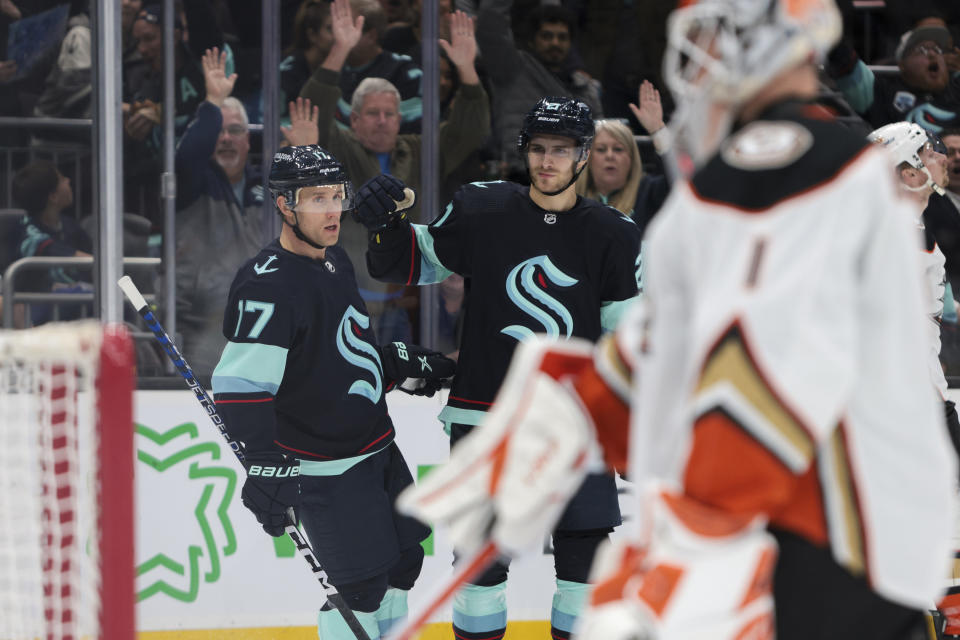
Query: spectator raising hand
[(303, 123), (650, 115), (347, 32), (219, 86), (649, 112), (462, 48), (10, 10)]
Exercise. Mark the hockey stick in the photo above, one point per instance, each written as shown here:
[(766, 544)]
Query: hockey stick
[(465, 570), (136, 299)]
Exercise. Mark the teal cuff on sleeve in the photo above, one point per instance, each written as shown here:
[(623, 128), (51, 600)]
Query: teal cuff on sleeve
[(431, 269), (610, 313)]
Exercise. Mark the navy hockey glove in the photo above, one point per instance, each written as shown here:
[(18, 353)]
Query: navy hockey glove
[(415, 370), (271, 489), (382, 202)]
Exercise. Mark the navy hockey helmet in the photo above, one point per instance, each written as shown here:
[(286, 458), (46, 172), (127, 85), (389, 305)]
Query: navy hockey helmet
[(558, 116), (307, 166)]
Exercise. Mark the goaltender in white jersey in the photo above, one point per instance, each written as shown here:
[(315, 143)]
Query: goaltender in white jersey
[(771, 389)]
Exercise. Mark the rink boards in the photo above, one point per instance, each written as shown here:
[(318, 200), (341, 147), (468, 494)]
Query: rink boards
[(204, 566)]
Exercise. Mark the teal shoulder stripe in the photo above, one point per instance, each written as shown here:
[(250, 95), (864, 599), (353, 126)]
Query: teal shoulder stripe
[(262, 365), (610, 313), (431, 269)]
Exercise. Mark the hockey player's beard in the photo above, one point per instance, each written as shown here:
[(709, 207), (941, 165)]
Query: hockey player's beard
[(548, 185)]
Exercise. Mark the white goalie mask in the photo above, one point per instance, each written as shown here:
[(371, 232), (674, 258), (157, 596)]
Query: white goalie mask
[(904, 141), (720, 53)]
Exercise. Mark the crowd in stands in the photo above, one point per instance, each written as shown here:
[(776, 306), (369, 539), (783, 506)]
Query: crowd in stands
[(350, 79)]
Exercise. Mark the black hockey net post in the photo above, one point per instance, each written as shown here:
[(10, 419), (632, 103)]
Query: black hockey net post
[(330, 591)]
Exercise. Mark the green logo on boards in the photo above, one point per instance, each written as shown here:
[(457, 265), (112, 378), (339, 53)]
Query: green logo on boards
[(179, 572), (422, 470)]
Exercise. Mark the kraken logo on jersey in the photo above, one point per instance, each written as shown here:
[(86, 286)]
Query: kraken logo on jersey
[(360, 353), (930, 117), (523, 279)]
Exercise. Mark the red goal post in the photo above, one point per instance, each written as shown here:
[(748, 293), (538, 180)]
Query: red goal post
[(66, 483)]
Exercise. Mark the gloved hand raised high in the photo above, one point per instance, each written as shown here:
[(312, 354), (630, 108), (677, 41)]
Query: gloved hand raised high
[(381, 202), (272, 488), (415, 370)]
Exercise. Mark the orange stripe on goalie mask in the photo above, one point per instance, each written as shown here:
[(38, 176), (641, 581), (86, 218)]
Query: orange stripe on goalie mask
[(801, 9)]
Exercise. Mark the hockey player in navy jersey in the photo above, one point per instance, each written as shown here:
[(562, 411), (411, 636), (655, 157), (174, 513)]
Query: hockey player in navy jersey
[(301, 383), (536, 259)]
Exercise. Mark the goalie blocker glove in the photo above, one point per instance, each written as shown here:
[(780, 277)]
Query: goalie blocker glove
[(377, 203), (415, 370), (271, 490)]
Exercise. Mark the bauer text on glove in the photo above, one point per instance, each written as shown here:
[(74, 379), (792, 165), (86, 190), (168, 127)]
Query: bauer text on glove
[(272, 488)]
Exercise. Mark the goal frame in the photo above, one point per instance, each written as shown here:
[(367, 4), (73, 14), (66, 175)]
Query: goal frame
[(103, 355)]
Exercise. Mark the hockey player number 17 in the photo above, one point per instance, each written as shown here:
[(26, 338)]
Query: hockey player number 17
[(264, 309)]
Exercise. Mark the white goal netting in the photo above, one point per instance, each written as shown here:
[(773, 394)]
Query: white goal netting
[(65, 518)]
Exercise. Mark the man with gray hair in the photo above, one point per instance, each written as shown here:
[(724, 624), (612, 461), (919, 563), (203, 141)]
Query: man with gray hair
[(374, 144), (368, 59), (219, 213)]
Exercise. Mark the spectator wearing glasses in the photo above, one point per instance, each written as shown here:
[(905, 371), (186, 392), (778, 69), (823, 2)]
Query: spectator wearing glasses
[(219, 206), (925, 91)]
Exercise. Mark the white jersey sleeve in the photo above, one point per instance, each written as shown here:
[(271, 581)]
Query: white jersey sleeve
[(799, 326)]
